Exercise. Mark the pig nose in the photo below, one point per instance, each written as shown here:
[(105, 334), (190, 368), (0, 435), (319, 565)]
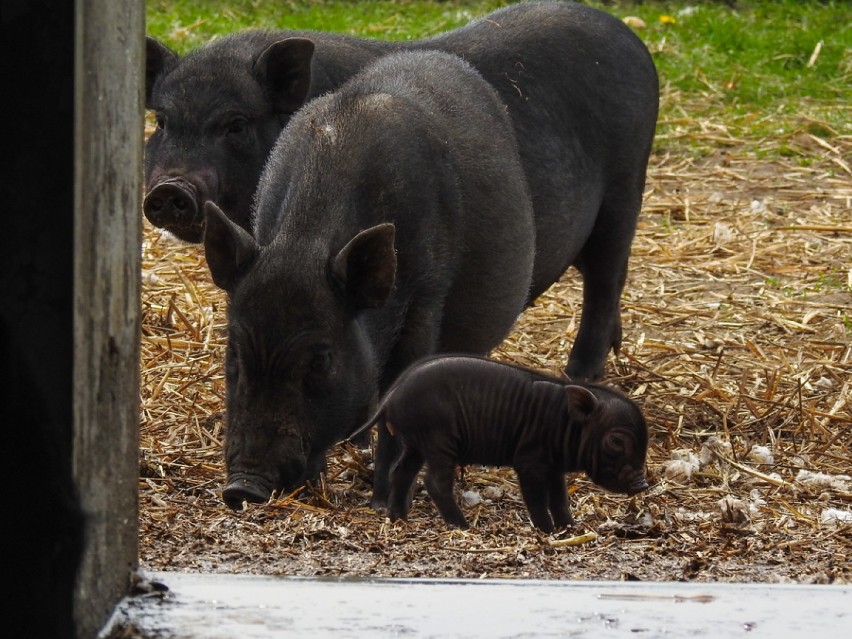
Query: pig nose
[(244, 489), (171, 203), (638, 484)]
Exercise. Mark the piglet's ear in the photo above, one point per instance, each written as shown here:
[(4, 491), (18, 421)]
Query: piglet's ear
[(284, 68), (229, 248), (581, 402), (159, 59), (365, 268)]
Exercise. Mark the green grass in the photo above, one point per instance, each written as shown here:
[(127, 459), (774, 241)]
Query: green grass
[(754, 64), (185, 24), (772, 68), (760, 53)]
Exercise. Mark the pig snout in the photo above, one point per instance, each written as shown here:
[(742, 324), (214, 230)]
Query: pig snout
[(245, 488), (632, 480), (254, 488), (173, 205), (637, 485), (627, 481)]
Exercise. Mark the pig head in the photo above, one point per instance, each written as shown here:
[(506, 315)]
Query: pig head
[(300, 373), (613, 440), (215, 126)]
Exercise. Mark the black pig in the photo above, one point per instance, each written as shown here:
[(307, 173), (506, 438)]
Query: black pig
[(392, 221), (460, 410), (582, 94), (219, 111)]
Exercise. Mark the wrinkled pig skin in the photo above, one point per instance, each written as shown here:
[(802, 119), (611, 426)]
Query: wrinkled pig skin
[(581, 91), (459, 410), (392, 221)]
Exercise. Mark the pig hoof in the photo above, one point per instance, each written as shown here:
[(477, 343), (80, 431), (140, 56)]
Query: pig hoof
[(244, 490), (579, 372), (379, 504)]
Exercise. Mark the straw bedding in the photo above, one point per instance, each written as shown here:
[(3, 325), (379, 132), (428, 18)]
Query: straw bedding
[(737, 319)]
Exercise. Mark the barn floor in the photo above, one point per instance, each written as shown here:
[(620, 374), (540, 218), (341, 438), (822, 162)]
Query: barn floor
[(226, 606)]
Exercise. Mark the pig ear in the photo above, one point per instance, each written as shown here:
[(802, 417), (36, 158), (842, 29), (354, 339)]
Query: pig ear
[(581, 402), (229, 248), (284, 68), (158, 60), (366, 267)]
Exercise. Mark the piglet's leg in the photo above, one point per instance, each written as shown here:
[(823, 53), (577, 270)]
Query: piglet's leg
[(387, 449), (534, 489), (439, 485), (402, 477), (417, 338), (559, 500)]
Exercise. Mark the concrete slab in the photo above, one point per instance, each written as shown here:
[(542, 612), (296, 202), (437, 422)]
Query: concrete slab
[(241, 606)]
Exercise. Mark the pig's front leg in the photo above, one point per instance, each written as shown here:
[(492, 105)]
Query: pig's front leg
[(534, 489), (558, 495)]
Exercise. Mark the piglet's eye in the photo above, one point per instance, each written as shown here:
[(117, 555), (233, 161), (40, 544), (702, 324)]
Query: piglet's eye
[(615, 442), (160, 121)]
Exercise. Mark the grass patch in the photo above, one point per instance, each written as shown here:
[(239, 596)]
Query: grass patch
[(188, 23), (768, 68), (771, 68), (755, 52), (760, 69)]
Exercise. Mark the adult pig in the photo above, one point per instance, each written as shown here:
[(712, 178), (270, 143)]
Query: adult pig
[(392, 221), (582, 94), (459, 410)]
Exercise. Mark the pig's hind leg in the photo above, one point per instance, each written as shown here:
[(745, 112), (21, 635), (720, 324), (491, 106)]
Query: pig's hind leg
[(402, 477), (603, 264), (439, 484), (417, 339)]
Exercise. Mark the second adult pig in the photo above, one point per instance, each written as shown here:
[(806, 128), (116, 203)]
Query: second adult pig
[(581, 92), (392, 222)]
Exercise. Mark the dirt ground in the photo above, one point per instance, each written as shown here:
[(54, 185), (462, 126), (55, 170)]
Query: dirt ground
[(738, 347)]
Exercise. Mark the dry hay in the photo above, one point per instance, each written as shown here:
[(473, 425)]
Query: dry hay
[(737, 319)]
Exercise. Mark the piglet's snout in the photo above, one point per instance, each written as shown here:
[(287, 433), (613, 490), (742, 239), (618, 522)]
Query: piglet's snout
[(637, 484)]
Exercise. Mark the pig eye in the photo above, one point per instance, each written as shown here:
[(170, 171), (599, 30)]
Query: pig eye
[(615, 442), (321, 362), (237, 126), (318, 372), (160, 121)]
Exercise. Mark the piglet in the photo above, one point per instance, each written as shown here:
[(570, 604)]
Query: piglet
[(460, 410)]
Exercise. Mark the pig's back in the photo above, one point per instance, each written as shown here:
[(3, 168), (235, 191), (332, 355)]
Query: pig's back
[(488, 410)]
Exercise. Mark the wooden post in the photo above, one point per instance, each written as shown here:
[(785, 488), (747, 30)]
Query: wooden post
[(108, 125), (69, 318)]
